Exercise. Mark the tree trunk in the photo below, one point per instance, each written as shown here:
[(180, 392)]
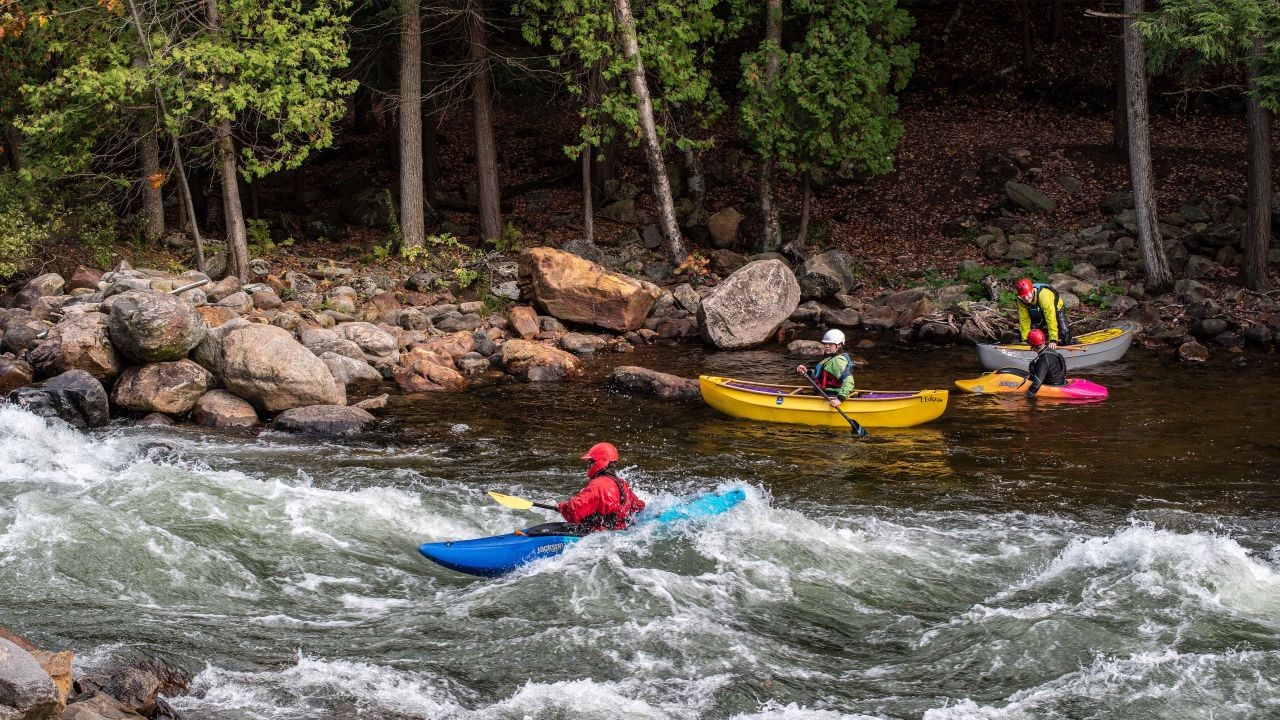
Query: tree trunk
[(604, 157), (430, 158), (1056, 21), (652, 150), (1144, 199), (1120, 114), (802, 235), (1257, 229), (13, 141), (1025, 12), (489, 195), (412, 223), (588, 211), (768, 210), (233, 214), (697, 177), (152, 180)]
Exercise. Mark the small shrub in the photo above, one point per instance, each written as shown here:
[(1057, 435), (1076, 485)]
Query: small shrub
[(259, 232), (511, 240)]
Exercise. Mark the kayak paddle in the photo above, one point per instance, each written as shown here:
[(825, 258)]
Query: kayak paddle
[(518, 503), (854, 427)]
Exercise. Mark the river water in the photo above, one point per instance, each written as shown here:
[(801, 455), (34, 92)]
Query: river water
[(1109, 560)]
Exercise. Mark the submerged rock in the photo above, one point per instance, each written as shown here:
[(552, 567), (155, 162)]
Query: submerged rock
[(635, 379), (74, 396), (534, 362), (324, 420)]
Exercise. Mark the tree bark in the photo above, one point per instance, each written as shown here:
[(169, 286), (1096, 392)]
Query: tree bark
[(152, 200), (1149, 241), (13, 140), (430, 157), (1025, 12), (697, 177), (768, 210), (233, 213), (652, 149), (604, 157), (802, 235), (1257, 229), (489, 194), (588, 211), (412, 223), (1120, 113), (1056, 21)]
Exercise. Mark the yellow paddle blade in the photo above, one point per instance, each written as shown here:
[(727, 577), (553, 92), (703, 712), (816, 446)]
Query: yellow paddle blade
[(511, 501)]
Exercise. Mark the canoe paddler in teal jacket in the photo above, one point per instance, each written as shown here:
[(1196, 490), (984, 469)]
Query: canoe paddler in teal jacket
[(833, 373), (1039, 306)]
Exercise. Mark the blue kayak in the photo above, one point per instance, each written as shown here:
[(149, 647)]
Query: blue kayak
[(500, 554)]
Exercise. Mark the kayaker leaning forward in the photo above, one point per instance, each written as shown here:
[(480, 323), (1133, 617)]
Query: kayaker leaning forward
[(1048, 367), (1039, 306), (607, 502), (833, 373)]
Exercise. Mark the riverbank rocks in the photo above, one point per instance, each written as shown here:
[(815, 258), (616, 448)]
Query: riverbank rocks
[(723, 227), (826, 274), (749, 306), (14, 374), (379, 347), (643, 381), (1192, 351), (208, 354), (171, 388), (266, 366), (427, 369), (221, 409), (79, 342), (99, 706), (534, 362), (1029, 198), (45, 285), (324, 420), (26, 690), (74, 396), (354, 375), (570, 288), (148, 326)]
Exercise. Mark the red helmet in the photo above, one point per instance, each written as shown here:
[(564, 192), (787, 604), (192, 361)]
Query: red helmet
[(1024, 288), (600, 455), (1035, 338)]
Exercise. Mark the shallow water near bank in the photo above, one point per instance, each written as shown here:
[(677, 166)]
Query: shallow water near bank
[(1117, 559)]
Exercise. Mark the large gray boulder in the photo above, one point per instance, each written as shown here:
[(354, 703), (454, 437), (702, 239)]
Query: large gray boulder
[(171, 388), (354, 375), (149, 326), (265, 365), (322, 340), (324, 420), (26, 690), (826, 274), (208, 354), (79, 342), (749, 306), (42, 286), (379, 346), (74, 396), (1029, 198)]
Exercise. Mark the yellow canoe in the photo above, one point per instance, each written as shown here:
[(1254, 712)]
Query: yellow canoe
[(799, 405)]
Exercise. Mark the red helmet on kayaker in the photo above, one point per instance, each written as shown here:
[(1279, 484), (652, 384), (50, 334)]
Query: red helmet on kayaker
[(600, 455), (1025, 288), (1036, 338)]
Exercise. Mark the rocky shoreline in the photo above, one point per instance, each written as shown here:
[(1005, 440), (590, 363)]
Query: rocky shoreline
[(320, 351)]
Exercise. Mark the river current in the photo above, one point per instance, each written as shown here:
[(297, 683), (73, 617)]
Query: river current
[(1110, 560)]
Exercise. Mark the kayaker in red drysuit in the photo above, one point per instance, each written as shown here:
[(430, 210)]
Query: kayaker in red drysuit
[(606, 503)]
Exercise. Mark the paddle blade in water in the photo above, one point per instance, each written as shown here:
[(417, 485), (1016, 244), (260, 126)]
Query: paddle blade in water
[(511, 501)]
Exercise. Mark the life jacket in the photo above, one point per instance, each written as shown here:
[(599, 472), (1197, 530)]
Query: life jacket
[(606, 514), (1034, 309), (828, 380)]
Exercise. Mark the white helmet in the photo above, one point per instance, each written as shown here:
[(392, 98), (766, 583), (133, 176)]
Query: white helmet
[(834, 337)]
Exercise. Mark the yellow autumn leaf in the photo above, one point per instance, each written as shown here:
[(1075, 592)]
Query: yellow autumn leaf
[(156, 180)]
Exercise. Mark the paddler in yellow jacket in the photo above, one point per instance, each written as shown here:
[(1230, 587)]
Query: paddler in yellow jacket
[(1040, 307), (834, 373)]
